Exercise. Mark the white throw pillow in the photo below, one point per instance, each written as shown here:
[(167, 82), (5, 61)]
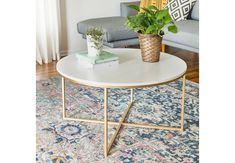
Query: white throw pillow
[(179, 9)]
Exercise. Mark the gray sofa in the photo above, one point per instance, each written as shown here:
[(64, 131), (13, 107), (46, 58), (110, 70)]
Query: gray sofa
[(118, 35)]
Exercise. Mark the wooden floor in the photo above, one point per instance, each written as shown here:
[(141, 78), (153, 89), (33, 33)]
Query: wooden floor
[(46, 71), (192, 60)]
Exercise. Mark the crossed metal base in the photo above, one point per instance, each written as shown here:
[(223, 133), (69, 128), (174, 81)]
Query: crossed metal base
[(122, 122)]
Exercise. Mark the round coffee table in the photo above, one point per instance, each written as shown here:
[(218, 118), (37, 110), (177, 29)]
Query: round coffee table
[(131, 72)]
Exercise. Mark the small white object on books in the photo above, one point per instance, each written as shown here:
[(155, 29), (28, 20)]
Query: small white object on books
[(104, 65), (91, 47)]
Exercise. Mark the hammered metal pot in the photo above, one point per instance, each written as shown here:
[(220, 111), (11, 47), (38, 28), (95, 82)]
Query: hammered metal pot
[(150, 46)]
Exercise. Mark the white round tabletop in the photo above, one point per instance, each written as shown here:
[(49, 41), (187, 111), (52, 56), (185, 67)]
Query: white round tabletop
[(131, 72)]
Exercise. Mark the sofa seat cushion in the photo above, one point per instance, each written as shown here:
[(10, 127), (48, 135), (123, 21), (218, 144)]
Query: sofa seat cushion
[(188, 33), (114, 28)]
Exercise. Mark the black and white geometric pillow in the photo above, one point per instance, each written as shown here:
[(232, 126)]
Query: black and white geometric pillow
[(179, 9)]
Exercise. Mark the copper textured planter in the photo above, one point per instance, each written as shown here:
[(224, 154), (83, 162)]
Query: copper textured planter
[(150, 46)]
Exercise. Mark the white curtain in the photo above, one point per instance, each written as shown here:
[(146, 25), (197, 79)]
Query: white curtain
[(48, 31)]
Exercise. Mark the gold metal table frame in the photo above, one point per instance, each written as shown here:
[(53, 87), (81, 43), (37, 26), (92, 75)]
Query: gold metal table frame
[(106, 122)]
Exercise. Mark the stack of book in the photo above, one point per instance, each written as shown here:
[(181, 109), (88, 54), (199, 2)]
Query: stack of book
[(104, 60)]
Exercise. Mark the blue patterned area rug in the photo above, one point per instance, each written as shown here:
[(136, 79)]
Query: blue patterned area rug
[(61, 141)]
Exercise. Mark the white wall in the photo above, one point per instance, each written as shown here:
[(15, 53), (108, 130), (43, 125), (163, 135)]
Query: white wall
[(73, 11)]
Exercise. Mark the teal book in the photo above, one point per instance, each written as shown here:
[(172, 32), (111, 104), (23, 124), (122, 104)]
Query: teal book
[(104, 57)]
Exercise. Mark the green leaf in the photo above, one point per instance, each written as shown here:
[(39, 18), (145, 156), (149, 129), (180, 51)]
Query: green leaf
[(162, 14), (165, 11), (168, 19), (147, 10), (153, 8), (137, 8), (159, 16), (151, 21), (172, 29), (150, 29)]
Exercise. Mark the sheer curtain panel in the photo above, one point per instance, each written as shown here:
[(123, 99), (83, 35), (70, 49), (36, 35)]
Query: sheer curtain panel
[(48, 31)]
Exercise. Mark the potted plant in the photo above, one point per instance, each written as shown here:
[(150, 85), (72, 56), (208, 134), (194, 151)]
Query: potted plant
[(94, 41), (150, 23)]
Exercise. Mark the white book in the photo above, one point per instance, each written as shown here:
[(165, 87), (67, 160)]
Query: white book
[(104, 65)]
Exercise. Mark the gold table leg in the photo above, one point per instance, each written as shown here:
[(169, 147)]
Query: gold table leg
[(119, 126), (132, 95), (125, 114), (105, 122), (63, 96), (108, 146), (182, 105)]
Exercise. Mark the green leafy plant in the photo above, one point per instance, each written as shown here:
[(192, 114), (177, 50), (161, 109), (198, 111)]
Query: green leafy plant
[(151, 21), (96, 35)]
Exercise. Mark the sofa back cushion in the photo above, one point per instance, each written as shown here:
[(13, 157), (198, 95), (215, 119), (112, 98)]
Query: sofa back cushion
[(126, 11), (195, 11)]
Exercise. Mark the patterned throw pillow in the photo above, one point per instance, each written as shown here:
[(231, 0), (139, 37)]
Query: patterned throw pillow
[(179, 9)]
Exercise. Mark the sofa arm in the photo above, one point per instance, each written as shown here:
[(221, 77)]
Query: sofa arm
[(126, 11)]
